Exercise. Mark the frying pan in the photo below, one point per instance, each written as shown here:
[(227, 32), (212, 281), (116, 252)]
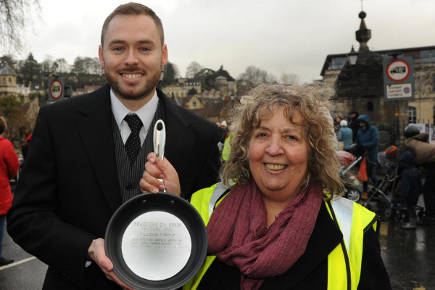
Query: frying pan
[(156, 241)]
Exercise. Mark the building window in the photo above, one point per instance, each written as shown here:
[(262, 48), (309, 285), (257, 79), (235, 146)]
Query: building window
[(427, 55), (412, 113), (338, 62), (370, 107), (194, 104)]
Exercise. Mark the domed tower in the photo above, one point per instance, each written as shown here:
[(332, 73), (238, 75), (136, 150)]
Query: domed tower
[(8, 81)]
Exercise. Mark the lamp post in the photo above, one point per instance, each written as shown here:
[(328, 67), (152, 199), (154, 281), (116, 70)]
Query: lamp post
[(352, 56)]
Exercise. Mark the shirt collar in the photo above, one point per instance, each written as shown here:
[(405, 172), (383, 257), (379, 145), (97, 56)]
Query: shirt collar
[(146, 113)]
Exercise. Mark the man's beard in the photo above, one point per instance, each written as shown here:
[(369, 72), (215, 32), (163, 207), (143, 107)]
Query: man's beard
[(133, 93)]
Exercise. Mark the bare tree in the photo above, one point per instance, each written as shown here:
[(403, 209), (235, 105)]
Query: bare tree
[(15, 17), (47, 64), (255, 75), (193, 69), (288, 78), (60, 66)]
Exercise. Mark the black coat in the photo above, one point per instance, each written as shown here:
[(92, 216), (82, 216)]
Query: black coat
[(69, 189), (311, 270)]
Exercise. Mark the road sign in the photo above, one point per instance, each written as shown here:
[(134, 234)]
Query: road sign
[(399, 81), (398, 70), (55, 89), (399, 91)]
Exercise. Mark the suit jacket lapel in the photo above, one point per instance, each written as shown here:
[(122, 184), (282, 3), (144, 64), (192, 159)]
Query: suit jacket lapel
[(97, 135)]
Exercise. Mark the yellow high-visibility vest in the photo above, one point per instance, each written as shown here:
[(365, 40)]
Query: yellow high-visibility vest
[(227, 148), (344, 262)]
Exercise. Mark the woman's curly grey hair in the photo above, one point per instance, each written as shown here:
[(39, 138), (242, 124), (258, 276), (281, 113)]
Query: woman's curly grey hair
[(313, 102)]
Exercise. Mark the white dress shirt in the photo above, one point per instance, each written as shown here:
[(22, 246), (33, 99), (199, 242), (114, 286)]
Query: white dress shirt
[(146, 115)]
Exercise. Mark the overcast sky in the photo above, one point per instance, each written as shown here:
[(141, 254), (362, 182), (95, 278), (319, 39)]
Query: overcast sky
[(291, 36)]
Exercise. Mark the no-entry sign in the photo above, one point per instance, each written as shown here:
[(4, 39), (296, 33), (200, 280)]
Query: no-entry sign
[(398, 70), (398, 78), (55, 89)]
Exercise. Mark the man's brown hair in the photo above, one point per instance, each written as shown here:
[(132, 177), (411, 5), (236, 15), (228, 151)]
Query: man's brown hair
[(133, 9)]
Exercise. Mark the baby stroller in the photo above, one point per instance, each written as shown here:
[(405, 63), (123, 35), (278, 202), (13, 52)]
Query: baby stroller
[(349, 161), (385, 192)]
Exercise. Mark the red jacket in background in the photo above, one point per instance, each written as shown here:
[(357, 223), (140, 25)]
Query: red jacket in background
[(9, 165)]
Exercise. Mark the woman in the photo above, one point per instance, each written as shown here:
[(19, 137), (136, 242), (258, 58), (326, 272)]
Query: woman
[(368, 139), (345, 135), (9, 165), (276, 228)]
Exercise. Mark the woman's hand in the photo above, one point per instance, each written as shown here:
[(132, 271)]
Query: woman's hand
[(159, 175)]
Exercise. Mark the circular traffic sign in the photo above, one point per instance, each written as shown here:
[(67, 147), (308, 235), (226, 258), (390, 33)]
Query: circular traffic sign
[(398, 70), (56, 89)]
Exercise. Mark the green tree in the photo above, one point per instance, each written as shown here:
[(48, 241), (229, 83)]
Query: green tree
[(29, 69), (192, 92), (18, 125), (171, 74), (7, 59)]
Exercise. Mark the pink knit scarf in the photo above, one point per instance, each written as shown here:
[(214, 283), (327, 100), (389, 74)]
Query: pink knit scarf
[(237, 233)]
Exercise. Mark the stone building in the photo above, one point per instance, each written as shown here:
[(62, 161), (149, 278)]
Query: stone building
[(360, 87), (225, 87), (181, 88), (8, 81)]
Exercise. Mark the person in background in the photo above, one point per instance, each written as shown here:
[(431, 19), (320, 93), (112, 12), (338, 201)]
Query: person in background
[(25, 147), (224, 131), (337, 121), (9, 166), (410, 182), (88, 154), (227, 144), (277, 220), (368, 139), (345, 135), (354, 124), (418, 143)]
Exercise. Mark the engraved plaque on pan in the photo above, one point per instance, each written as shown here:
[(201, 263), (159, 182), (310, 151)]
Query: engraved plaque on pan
[(156, 245)]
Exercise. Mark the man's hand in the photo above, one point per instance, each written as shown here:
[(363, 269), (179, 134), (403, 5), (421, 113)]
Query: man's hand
[(159, 175), (97, 253)]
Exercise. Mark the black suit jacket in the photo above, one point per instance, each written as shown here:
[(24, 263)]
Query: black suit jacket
[(69, 188)]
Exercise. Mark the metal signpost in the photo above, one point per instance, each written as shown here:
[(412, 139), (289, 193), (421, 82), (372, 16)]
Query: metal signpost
[(399, 83)]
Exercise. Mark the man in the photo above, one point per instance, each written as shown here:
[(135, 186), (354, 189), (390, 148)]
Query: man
[(424, 152), (368, 139), (86, 159), (354, 124)]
